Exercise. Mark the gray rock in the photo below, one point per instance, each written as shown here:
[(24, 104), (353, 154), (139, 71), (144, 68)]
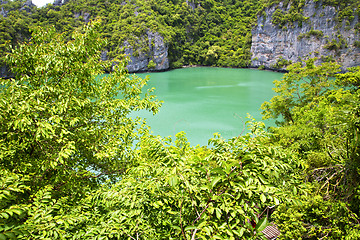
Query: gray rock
[(191, 4), (3, 12), (270, 43), (4, 72), (60, 2), (157, 52), (103, 55), (27, 6), (85, 15)]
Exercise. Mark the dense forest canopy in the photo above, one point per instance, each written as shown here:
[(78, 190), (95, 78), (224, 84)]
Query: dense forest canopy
[(74, 165), (197, 32)]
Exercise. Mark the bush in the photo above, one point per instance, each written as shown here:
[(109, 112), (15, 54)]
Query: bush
[(151, 65)]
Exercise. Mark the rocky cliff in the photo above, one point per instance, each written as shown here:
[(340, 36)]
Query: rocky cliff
[(60, 2), (26, 6), (148, 52), (321, 35), (151, 53), (3, 12)]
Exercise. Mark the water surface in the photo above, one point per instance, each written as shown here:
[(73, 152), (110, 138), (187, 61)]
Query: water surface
[(202, 101)]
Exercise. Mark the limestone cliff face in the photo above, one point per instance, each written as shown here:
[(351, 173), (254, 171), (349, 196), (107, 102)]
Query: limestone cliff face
[(27, 6), (85, 15), (271, 43), (3, 12), (152, 55), (4, 72), (147, 53), (60, 2)]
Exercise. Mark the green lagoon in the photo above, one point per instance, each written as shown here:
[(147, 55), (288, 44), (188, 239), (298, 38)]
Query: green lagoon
[(202, 101)]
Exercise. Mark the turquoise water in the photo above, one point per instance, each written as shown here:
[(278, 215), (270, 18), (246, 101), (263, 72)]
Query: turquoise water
[(202, 101)]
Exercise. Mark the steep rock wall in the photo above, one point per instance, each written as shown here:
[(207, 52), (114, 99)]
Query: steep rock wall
[(270, 43), (60, 2), (4, 72), (27, 6), (151, 55), (147, 53), (3, 12)]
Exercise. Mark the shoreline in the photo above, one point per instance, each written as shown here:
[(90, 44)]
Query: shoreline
[(195, 66)]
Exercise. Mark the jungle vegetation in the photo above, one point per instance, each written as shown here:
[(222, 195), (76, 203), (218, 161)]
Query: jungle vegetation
[(75, 165), (197, 32)]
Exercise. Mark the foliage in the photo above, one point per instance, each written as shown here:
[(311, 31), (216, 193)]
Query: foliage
[(198, 32), (347, 9), (357, 44), (12, 206), (281, 63), (151, 64), (68, 165), (292, 14), (316, 33), (299, 87), (317, 218), (64, 130), (320, 119), (293, 11), (336, 44), (178, 192)]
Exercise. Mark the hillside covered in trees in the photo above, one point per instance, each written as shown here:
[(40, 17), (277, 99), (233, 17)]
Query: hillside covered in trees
[(75, 165), (181, 32)]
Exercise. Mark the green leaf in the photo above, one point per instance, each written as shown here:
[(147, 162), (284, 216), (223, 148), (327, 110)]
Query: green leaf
[(241, 232), (262, 224), (202, 169), (173, 181), (218, 213), (5, 215), (294, 190), (215, 181), (263, 198), (17, 211), (10, 235), (190, 228), (218, 237), (219, 171), (176, 227)]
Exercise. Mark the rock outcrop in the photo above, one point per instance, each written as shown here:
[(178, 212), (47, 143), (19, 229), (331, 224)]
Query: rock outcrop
[(4, 72), (150, 55), (27, 6), (319, 36), (60, 2), (3, 12), (85, 15)]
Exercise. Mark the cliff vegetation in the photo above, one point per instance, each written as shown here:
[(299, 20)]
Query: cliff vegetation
[(294, 30)]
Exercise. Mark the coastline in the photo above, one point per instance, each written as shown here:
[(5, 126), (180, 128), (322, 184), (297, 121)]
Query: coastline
[(194, 66)]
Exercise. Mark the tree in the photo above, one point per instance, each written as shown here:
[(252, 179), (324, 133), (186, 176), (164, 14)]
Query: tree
[(175, 191), (320, 121), (304, 82), (64, 127)]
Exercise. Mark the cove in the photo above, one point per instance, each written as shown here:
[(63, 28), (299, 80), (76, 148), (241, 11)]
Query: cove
[(202, 101)]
